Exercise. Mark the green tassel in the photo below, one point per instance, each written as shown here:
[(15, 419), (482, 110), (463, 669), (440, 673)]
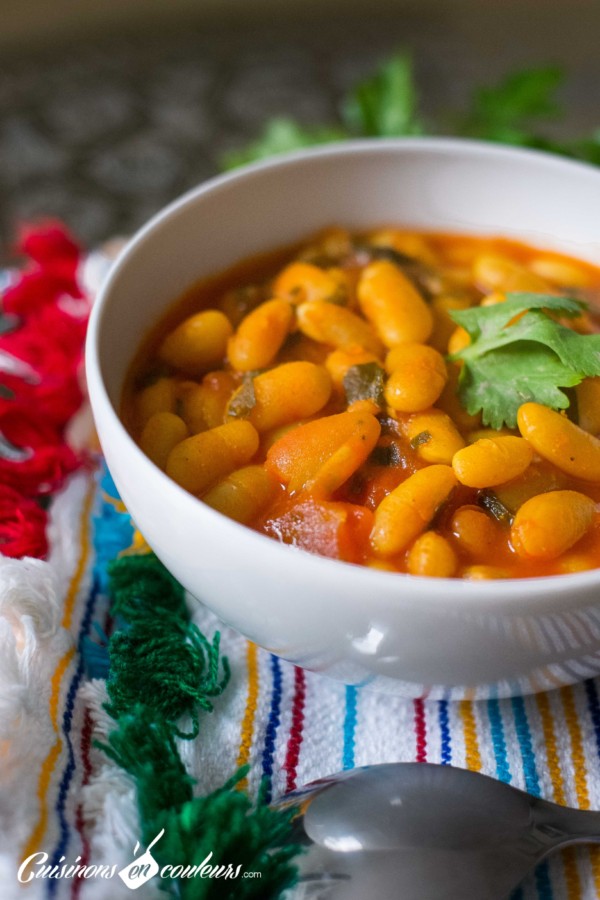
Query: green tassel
[(140, 585), (144, 746), (163, 668), (226, 825), (173, 673), (162, 659)]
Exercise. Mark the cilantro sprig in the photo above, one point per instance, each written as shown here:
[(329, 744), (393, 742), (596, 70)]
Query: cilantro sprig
[(520, 353), (388, 104)]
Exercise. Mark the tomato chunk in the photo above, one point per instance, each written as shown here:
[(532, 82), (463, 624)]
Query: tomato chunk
[(329, 528)]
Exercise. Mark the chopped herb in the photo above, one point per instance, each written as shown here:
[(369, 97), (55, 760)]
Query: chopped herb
[(490, 501), (423, 437), (387, 455), (365, 382), (519, 353), (6, 393), (243, 401)]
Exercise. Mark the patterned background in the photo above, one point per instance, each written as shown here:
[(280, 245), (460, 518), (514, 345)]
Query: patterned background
[(104, 129)]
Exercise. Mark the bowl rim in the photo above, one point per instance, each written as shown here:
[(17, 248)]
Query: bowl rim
[(542, 589)]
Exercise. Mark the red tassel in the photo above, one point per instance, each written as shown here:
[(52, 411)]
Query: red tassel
[(41, 385), (22, 525)]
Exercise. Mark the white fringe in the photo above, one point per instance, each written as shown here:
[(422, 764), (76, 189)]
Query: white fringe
[(31, 643), (64, 538)]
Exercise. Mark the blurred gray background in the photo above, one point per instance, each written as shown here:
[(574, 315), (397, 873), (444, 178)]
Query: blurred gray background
[(109, 109)]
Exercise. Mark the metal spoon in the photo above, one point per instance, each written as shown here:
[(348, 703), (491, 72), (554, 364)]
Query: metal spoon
[(416, 831)]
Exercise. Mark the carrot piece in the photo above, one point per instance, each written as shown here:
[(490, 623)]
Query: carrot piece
[(321, 455)]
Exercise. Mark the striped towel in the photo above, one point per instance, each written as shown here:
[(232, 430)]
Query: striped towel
[(62, 797)]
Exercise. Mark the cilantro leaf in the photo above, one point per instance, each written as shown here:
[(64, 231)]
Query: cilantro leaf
[(490, 321), (504, 113), (498, 382), (519, 353), (385, 105), (282, 135)]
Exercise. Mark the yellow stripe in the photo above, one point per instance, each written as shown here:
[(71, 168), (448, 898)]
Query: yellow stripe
[(579, 770), (558, 786), (578, 767), (55, 683), (251, 704), (472, 754), (84, 537), (595, 863), (48, 765)]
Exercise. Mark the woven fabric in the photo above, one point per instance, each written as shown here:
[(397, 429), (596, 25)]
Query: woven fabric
[(60, 795)]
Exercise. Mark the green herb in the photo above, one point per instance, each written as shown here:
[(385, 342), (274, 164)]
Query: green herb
[(504, 113), (490, 501), (386, 455), (243, 401), (365, 381), (385, 105), (282, 135), (388, 105), (423, 437), (519, 353), (589, 148)]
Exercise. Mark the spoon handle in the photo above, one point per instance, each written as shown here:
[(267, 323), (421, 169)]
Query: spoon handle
[(556, 824)]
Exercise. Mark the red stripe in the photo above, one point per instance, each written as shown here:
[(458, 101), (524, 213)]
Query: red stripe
[(86, 743), (295, 740), (420, 731)]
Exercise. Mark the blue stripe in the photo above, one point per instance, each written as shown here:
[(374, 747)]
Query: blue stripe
[(349, 727), (498, 741), (532, 783), (112, 533), (446, 744), (271, 729), (594, 708), (500, 753), (63, 841)]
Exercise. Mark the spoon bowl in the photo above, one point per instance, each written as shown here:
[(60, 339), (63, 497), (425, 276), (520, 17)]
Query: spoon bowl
[(419, 831)]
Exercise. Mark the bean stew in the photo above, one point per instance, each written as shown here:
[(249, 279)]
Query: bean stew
[(367, 397)]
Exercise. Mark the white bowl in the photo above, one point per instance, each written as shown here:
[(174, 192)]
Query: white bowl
[(448, 638)]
